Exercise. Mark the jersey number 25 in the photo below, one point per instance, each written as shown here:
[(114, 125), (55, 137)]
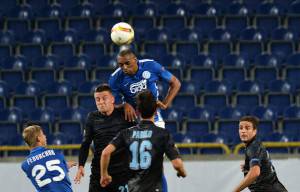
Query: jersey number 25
[(39, 171)]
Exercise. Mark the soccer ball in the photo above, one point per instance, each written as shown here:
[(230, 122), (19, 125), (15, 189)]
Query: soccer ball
[(122, 33)]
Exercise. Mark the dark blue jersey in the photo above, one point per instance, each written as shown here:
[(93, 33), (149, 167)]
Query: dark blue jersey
[(149, 72), (47, 170)]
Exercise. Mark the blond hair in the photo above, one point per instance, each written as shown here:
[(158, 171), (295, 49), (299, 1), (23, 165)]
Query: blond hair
[(30, 134)]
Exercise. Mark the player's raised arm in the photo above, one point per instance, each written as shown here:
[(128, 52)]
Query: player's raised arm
[(251, 176), (104, 162), (174, 86)]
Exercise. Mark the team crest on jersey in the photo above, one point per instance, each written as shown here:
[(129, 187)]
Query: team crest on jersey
[(146, 74), (139, 86)]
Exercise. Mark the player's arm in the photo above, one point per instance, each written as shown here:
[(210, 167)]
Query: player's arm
[(104, 162), (178, 166), (84, 149), (253, 173), (174, 85)]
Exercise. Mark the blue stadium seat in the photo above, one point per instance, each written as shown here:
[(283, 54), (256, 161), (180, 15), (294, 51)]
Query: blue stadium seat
[(265, 128), (177, 72), (190, 35), (44, 76), (43, 115), (173, 23), (71, 129), (249, 86), (283, 34), (51, 26), (7, 6), (247, 100), (142, 24), (2, 102), (291, 74), (158, 35), (279, 100), (293, 60), (204, 60), (61, 88), (67, 36), (20, 28), (281, 86), (68, 4), (183, 100), (13, 114), (98, 35), (252, 34), (55, 101), (234, 60), (292, 112), (156, 49), (197, 128), (26, 103), (234, 113), (80, 24), (175, 61), (88, 87), (205, 24), (18, 62), (37, 36), (117, 10), (235, 24), (31, 51), (217, 86), (12, 77), (291, 128), (7, 37), (229, 130), (173, 114), (107, 22), (276, 137), (58, 139), (267, 8), (22, 12), (83, 10), (190, 87), (237, 8), (93, 50), (264, 75), (201, 75), (79, 62), (172, 126), (63, 51), (221, 34), (5, 51), (294, 7), (102, 74), (293, 22), (148, 9), (75, 114), (265, 113), (186, 49), (281, 49), (267, 23), (8, 132), (213, 138), (214, 100), (250, 49), (47, 62), (99, 5), (202, 113), (30, 88), (209, 9), (233, 75), (86, 101), (219, 49), (75, 76), (4, 89), (178, 9), (267, 60)]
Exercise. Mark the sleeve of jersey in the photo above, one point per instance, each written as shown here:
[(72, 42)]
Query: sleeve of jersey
[(114, 85), (118, 141), (254, 154), (86, 142), (162, 72), (171, 150)]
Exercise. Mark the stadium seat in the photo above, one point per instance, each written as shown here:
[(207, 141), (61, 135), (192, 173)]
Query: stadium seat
[(30, 88), (213, 138), (291, 74), (4, 89), (187, 49), (12, 77), (201, 75), (107, 22), (281, 49), (158, 35), (61, 88), (291, 128), (183, 100), (55, 101), (6, 37), (7, 6), (293, 60), (64, 51), (267, 60), (31, 51), (173, 114), (37, 36), (267, 8), (291, 112), (233, 75), (174, 61), (278, 100), (235, 24), (178, 9), (233, 113), (102, 74), (189, 35), (84, 9), (247, 100), (250, 49), (13, 114), (68, 4), (155, 49), (209, 9), (281, 86), (75, 114), (86, 101), (221, 34), (268, 113), (229, 130), (205, 24), (214, 100), (80, 24), (216, 86), (234, 60), (51, 26), (252, 34), (148, 9), (172, 126), (67, 36), (43, 115), (219, 49), (267, 23), (50, 62), (265, 128), (18, 62), (198, 128), (202, 113), (293, 21), (237, 8), (264, 75), (19, 27), (142, 24), (8, 132), (283, 34), (26, 103), (294, 7), (88, 87), (204, 60), (173, 23), (75, 76), (5, 51), (93, 50), (44, 76)]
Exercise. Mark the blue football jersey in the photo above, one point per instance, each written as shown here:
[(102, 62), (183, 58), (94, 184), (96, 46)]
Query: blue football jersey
[(149, 72), (47, 170)]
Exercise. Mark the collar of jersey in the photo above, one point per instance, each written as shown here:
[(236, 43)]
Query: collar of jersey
[(36, 149)]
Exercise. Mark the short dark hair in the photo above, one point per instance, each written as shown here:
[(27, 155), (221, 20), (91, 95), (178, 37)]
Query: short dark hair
[(146, 104), (252, 119), (125, 52), (103, 87)]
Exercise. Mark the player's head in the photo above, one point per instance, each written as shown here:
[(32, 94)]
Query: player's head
[(248, 128), (127, 61), (104, 99), (34, 136), (146, 104)]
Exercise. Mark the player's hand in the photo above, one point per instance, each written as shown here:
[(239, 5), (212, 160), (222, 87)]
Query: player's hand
[(79, 174), (161, 105), (130, 114), (181, 173), (105, 180), (242, 167), (71, 164)]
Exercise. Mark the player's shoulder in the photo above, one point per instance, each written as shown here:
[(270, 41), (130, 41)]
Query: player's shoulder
[(148, 63), (116, 74), (92, 114)]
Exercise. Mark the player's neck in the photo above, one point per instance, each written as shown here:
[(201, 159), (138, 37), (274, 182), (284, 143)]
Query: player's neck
[(148, 119), (108, 113)]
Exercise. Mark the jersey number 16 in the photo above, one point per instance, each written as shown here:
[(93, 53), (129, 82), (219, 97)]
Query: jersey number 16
[(141, 158)]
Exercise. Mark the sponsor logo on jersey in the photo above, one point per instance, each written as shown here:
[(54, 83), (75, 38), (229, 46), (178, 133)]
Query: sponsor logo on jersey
[(139, 86), (146, 74)]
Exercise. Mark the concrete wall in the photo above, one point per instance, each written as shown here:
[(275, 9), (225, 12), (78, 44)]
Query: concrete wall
[(203, 176)]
